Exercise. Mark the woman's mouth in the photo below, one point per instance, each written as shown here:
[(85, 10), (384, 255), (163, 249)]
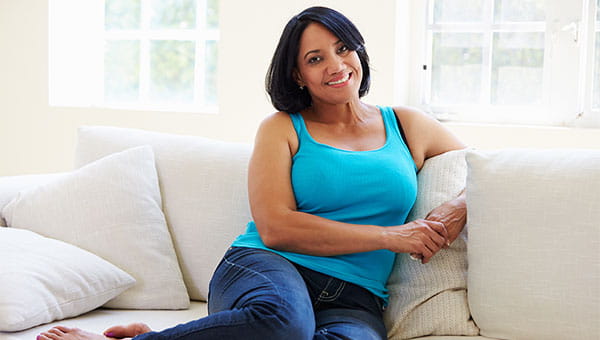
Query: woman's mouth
[(340, 81)]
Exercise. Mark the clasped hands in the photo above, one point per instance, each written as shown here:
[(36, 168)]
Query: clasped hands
[(423, 238)]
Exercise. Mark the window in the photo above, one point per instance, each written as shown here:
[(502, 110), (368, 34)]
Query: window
[(595, 102), (134, 54), (509, 61)]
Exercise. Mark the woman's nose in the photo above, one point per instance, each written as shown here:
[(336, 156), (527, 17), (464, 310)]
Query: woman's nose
[(335, 65)]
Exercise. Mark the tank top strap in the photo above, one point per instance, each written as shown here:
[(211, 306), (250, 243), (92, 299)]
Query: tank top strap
[(391, 124), (298, 123)]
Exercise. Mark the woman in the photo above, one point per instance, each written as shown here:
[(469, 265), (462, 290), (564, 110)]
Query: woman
[(331, 181)]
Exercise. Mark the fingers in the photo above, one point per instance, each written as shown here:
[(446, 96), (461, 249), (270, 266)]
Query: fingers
[(439, 228), (433, 237), (436, 232)]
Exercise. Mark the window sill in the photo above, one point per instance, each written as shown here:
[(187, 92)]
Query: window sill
[(498, 136)]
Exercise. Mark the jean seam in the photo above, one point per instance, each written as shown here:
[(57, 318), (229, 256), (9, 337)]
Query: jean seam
[(261, 275), (335, 295)]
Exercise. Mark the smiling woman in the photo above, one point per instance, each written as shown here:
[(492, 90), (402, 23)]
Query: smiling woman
[(282, 79), (331, 182), (329, 63)]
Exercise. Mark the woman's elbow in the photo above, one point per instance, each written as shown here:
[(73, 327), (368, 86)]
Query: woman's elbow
[(275, 225), (271, 236)]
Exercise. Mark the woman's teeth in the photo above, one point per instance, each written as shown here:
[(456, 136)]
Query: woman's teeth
[(339, 81)]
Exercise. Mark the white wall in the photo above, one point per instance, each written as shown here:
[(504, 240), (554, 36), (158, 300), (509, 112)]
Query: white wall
[(36, 138)]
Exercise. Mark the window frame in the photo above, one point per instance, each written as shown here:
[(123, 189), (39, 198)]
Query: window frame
[(591, 29), (574, 111), (86, 66)]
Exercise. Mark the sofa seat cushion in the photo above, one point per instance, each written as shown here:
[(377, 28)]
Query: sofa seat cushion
[(453, 337), (534, 243), (100, 319), (203, 188)]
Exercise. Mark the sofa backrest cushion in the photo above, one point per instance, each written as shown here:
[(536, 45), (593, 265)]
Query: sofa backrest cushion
[(534, 243), (431, 299), (10, 186), (203, 188)]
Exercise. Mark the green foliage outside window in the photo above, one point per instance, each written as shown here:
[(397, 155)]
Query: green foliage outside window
[(172, 65)]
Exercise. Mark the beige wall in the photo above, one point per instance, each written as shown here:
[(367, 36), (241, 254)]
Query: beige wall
[(36, 138)]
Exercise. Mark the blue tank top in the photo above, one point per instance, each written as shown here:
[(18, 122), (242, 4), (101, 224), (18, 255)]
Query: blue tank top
[(375, 187)]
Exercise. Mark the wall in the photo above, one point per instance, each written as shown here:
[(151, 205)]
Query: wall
[(36, 138)]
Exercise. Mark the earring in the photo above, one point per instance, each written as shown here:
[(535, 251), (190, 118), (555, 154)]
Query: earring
[(301, 87)]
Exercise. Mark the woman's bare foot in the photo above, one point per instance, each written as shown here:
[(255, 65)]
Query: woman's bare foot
[(127, 331), (116, 332), (66, 333)]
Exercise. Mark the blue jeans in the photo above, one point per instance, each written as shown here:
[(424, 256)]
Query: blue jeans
[(257, 294)]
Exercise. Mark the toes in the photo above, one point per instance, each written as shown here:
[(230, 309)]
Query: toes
[(56, 331), (47, 336), (130, 330), (117, 332), (141, 328), (64, 329)]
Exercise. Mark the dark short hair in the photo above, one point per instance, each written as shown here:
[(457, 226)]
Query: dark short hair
[(280, 84)]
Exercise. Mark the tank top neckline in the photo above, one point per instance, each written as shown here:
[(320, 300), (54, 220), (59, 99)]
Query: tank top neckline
[(314, 141)]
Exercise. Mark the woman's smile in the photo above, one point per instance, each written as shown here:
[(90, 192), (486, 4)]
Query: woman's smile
[(340, 81)]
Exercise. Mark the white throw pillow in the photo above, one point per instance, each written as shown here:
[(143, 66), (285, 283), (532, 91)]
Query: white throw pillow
[(111, 208), (11, 185), (204, 191), (534, 243), (431, 299), (43, 280)]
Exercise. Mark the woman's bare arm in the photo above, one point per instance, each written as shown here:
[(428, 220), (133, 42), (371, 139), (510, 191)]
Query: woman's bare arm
[(282, 227)]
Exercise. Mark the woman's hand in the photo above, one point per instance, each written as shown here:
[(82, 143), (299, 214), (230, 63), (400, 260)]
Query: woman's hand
[(453, 214), (422, 238)]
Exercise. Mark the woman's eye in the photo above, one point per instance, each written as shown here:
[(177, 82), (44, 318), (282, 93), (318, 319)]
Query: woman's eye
[(314, 60), (343, 49)]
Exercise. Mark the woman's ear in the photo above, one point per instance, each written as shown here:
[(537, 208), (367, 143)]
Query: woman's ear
[(297, 78)]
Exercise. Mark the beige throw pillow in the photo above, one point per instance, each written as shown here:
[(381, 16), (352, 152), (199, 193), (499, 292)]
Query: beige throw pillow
[(112, 208), (43, 280), (431, 299), (203, 184)]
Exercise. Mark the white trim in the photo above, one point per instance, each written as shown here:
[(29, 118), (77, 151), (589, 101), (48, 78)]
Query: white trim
[(565, 61)]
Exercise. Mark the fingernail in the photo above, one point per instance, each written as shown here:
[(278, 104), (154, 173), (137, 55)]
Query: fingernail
[(109, 334)]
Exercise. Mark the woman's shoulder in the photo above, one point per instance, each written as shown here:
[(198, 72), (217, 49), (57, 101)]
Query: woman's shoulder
[(426, 136), (410, 114), (276, 121), (277, 127)]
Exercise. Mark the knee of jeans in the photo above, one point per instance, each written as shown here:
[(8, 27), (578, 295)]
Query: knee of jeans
[(351, 324), (283, 321)]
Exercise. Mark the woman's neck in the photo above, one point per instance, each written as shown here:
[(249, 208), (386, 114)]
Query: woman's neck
[(348, 113)]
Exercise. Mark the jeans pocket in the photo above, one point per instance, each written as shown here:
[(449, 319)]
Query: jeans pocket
[(332, 290)]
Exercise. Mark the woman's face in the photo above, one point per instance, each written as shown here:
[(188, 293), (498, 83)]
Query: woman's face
[(326, 67)]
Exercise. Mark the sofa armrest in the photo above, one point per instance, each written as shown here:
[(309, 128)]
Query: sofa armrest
[(10, 186)]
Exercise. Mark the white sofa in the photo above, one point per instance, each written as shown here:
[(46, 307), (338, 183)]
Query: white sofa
[(167, 207)]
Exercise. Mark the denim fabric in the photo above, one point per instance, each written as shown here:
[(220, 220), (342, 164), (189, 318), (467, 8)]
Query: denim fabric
[(257, 294)]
